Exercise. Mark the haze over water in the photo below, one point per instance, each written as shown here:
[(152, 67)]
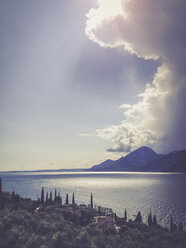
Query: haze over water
[(161, 193)]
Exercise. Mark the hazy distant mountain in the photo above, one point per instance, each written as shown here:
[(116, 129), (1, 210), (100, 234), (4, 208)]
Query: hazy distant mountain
[(172, 162), (142, 156), (145, 159)]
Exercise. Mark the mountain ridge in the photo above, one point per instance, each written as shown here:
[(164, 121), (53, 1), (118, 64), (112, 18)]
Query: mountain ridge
[(145, 159)]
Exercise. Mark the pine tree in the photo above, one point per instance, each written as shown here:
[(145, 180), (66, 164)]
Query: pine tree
[(66, 198), (0, 185), (91, 201), (125, 215), (138, 217), (73, 199), (154, 222), (150, 219), (42, 196)]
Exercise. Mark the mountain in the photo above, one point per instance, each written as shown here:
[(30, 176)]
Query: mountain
[(142, 156), (145, 159), (172, 162)]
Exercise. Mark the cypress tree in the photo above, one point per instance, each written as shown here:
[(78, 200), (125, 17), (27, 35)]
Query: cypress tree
[(55, 196), (125, 215), (47, 198), (150, 219), (91, 201), (50, 200), (59, 198), (73, 199), (42, 196), (138, 217), (0, 185), (115, 217), (66, 198), (154, 222)]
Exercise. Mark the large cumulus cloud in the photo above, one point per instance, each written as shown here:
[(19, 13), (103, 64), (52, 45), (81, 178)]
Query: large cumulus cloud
[(151, 30)]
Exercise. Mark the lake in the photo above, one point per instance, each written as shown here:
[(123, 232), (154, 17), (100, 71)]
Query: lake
[(161, 193)]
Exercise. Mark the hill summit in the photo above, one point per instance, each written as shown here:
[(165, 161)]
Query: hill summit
[(145, 159)]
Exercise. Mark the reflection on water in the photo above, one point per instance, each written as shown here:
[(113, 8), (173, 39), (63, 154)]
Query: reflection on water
[(161, 193)]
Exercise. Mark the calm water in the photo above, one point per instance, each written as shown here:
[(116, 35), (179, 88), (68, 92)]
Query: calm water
[(162, 194)]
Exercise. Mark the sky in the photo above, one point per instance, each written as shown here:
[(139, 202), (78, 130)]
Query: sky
[(88, 80)]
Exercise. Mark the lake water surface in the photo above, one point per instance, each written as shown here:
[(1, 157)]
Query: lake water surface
[(164, 194)]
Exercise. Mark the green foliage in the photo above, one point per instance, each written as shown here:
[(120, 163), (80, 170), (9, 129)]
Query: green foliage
[(60, 227)]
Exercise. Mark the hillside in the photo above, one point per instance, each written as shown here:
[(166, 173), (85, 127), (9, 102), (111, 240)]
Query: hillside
[(145, 159), (78, 226)]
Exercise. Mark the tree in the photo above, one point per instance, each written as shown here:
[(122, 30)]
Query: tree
[(55, 195), (60, 197), (173, 226), (180, 228), (171, 223), (73, 199), (138, 217), (91, 201), (13, 195), (47, 200), (150, 219), (154, 222), (125, 215), (50, 200), (67, 199), (115, 217), (42, 196), (38, 200), (0, 185)]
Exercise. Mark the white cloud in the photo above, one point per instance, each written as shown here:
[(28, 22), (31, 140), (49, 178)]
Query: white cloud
[(150, 29)]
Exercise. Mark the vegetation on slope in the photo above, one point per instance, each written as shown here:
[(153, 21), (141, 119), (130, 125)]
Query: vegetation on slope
[(47, 223)]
